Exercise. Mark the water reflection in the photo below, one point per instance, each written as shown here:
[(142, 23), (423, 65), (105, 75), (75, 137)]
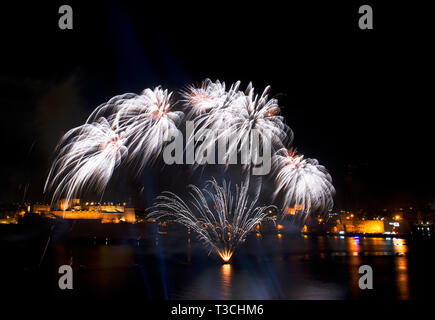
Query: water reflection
[(353, 245), (275, 266), (189, 250), (226, 280), (402, 280), (400, 247), (401, 268)]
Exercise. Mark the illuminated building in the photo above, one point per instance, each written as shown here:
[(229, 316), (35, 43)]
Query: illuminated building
[(290, 211), (74, 209), (40, 208), (363, 226), (64, 204)]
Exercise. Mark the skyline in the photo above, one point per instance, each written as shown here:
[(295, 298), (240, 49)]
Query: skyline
[(369, 126)]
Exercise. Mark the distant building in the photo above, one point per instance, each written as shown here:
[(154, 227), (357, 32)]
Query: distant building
[(363, 226), (40, 208), (74, 209), (64, 204)]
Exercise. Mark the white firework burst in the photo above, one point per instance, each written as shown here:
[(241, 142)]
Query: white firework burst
[(148, 123), (306, 185), (147, 120), (243, 113), (87, 156), (252, 111)]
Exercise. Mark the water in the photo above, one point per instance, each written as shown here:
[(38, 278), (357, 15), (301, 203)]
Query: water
[(287, 266)]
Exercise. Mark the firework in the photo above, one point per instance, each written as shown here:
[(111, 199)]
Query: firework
[(235, 115), (221, 223), (87, 157), (147, 121), (252, 111), (141, 124), (306, 185), (148, 124)]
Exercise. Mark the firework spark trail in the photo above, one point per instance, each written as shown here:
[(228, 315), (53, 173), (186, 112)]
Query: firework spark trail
[(109, 108), (208, 96), (87, 156), (303, 181), (221, 223)]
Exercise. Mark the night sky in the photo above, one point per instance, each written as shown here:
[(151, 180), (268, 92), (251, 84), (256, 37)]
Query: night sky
[(358, 101)]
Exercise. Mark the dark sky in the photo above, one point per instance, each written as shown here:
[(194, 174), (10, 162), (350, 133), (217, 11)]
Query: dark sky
[(358, 101)]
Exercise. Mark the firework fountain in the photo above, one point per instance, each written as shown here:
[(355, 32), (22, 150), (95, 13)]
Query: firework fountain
[(222, 223)]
